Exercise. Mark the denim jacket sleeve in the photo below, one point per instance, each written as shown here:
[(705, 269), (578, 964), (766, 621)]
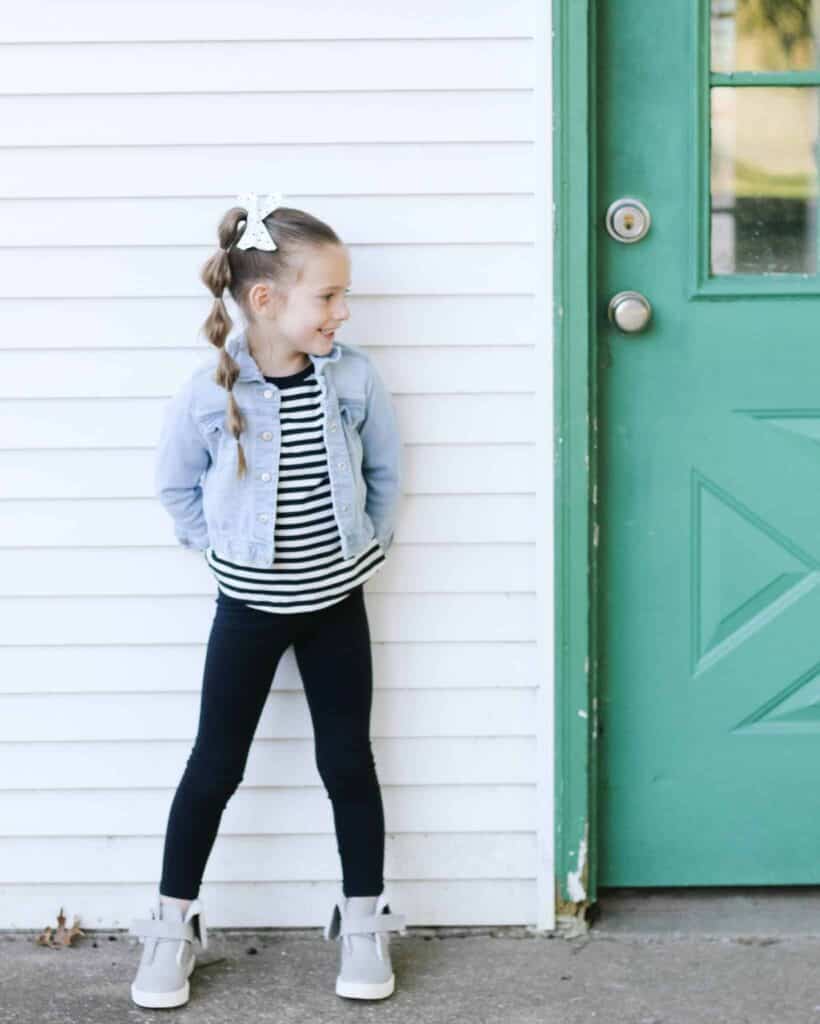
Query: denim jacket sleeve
[(181, 459), (381, 459)]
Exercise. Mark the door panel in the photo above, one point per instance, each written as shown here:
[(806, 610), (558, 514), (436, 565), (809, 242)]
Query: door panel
[(709, 450)]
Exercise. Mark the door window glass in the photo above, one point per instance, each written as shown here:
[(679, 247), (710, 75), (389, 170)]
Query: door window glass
[(764, 136)]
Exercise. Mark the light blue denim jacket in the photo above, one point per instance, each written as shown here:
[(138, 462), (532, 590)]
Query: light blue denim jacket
[(195, 470)]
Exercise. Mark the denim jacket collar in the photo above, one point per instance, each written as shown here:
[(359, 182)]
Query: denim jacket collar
[(248, 367)]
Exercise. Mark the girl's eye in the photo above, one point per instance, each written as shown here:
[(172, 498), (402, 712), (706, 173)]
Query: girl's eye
[(347, 292)]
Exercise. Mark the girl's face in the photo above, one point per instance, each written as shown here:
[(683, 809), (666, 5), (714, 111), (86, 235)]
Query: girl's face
[(312, 310)]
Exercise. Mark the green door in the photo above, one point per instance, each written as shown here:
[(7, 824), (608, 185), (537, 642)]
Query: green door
[(708, 443)]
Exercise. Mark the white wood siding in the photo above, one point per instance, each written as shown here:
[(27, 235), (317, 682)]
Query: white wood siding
[(126, 130)]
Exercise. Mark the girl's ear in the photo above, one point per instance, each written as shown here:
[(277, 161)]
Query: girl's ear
[(263, 299)]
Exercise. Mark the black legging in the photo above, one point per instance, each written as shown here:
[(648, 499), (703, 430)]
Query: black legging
[(332, 648)]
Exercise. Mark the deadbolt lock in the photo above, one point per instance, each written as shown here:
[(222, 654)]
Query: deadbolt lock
[(627, 220)]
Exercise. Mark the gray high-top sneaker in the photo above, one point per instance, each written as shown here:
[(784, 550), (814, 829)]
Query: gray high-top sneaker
[(168, 958), (366, 971)]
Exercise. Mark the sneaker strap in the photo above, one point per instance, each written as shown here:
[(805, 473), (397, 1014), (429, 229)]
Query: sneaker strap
[(157, 929), (366, 924), (371, 923)]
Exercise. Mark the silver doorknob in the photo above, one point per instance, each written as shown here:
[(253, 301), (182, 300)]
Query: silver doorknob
[(629, 311)]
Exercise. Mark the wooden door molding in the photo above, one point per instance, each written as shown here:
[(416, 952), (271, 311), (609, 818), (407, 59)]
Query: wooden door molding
[(574, 327)]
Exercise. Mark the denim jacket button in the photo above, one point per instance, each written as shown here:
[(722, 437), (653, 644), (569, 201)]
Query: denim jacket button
[(263, 517), (345, 508), (267, 393), (264, 476), (266, 435)]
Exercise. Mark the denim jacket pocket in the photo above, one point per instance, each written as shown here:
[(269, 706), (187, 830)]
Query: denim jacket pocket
[(351, 410), (211, 426)]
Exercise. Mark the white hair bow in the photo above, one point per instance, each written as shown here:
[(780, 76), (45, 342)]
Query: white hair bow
[(256, 235)]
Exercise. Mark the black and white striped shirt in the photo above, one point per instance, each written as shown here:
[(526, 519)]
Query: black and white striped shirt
[(308, 571)]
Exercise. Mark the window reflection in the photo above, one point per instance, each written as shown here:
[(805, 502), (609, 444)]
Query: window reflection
[(763, 180), (764, 35)]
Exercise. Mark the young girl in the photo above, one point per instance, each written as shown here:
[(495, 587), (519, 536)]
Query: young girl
[(279, 460)]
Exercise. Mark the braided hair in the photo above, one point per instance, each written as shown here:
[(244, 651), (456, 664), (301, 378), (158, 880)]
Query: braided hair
[(293, 231)]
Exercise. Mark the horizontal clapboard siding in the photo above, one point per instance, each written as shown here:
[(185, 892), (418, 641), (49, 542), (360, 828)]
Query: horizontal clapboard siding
[(269, 66), (360, 169), (136, 376), (41, 21), (121, 522), (395, 618), (288, 857), (173, 221), (126, 132), (119, 472), (447, 712), (129, 570), (166, 271), (244, 119), (139, 324), (266, 903), (115, 668), (255, 811), (275, 761)]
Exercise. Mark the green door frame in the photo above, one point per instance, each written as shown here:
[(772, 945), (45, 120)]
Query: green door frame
[(575, 427)]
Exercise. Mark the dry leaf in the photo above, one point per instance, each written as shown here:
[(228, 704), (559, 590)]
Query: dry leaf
[(62, 936)]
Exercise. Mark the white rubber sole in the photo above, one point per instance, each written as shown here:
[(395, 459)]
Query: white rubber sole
[(365, 989), (164, 1000)]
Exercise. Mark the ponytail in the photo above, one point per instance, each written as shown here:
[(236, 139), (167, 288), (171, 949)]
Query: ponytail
[(216, 275)]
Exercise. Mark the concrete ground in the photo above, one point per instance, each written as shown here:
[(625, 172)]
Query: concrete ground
[(646, 957)]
